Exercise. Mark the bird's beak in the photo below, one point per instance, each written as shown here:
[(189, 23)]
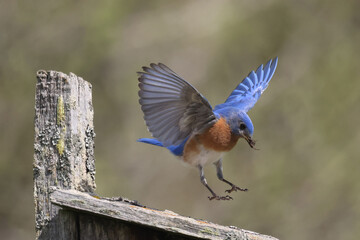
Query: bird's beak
[(250, 141)]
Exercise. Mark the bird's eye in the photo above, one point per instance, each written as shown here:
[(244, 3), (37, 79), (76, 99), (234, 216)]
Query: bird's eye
[(242, 126)]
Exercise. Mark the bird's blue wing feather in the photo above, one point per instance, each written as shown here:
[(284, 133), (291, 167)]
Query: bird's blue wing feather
[(250, 89)]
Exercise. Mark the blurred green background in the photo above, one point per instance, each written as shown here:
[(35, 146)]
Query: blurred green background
[(304, 182)]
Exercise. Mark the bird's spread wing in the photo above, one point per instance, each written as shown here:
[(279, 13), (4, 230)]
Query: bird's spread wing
[(250, 89), (173, 109)]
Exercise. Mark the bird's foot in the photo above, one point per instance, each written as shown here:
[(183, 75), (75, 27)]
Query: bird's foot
[(216, 197), (235, 188)]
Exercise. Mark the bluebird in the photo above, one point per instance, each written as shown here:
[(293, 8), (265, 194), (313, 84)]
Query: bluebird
[(183, 121)]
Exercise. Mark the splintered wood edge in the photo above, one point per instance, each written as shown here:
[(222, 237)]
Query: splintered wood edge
[(162, 220)]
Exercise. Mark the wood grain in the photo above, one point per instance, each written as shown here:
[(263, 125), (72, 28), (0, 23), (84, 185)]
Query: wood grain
[(161, 220)]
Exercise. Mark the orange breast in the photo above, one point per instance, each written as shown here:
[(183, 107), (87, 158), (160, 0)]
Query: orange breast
[(191, 150), (219, 137)]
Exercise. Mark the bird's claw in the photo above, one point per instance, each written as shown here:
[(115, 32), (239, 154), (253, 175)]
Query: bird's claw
[(236, 188), (227, 197)]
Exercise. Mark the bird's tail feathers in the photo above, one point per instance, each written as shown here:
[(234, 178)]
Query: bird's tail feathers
[(151, 141)]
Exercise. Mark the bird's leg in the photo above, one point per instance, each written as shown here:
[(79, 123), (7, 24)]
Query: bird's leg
[(219, 173), (214, 196)]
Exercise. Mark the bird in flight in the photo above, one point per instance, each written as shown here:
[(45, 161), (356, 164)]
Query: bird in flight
[(183, 121)]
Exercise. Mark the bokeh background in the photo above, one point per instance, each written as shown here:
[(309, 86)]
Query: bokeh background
[(304, 182)]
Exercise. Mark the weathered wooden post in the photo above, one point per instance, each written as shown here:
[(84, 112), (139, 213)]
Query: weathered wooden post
[(64, 144), (64, 178)]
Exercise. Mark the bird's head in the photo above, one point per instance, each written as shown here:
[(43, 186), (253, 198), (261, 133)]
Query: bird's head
[(242, 126)]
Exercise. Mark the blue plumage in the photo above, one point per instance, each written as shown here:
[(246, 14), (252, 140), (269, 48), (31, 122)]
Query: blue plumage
[(250, 89), (234, 116), (177, 150), (183, 121), (165, 98)]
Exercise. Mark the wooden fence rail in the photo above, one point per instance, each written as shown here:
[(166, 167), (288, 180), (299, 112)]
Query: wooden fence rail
[(64, 177)]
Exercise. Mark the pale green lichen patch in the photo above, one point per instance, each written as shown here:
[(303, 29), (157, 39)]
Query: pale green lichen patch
[(109, 212), (210, 231), (77, 202), (60, 120), (60, 111), (61, 146)]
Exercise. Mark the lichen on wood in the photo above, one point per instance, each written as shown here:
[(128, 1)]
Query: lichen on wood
[(60, 120)]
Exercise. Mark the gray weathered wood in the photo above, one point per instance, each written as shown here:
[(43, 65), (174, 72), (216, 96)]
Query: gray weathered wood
[(162, 220), (97, 227), (64, 146)]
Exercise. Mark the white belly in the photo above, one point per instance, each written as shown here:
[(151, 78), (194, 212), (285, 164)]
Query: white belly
[(203, 157)]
